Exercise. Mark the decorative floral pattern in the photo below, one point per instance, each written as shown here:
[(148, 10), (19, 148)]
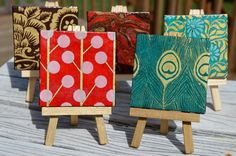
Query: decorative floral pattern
[(27, 22), (194, 27), (126, 26), (77, 69), (172, 73), (214, 52), (213, 27)]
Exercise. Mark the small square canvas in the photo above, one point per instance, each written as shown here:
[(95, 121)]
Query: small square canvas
[(77, 68), (170, 73), (127, 26), (27, 23), (215, 28)]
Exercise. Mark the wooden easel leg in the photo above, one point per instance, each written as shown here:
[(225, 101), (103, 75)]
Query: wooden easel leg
[(188, 137), (164, 126), (74, 120), (216, 97), (138, 132), (51, 132), (102, 135), (31, 89)]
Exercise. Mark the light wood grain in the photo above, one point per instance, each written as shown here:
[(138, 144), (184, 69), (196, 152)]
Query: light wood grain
[(188, 138), (164, 126), (30, 73), (161, 114), (216, 97), (31, 89), (101, 130), (213, 82), (74, 120), (49, 111), (51, 132), (138, 134)]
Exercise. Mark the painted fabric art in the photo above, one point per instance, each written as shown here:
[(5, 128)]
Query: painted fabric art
[(27, 23), (215, 28), (170, 73), (127, 26), (77, 68)]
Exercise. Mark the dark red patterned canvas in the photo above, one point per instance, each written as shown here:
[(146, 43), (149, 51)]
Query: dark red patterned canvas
[(127, 26)]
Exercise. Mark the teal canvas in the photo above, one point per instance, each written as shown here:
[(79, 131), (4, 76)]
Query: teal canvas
[(215, 28), (170, 73)]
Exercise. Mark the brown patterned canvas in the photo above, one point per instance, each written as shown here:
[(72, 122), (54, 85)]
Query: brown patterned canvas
[(27, 23)]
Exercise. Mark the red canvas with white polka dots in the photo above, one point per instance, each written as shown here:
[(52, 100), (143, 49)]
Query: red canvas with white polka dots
[(77, 68)]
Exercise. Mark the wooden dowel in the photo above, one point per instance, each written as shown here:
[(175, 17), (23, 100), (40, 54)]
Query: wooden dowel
[(188, 137), (74, 2), (144, 5), (177, 7), (158, 17), (51, 132), (101, 130), (187, 6), (103, 5), (138, 134), (216, 97), (217, 6), (111, 3), (93, 5), (208, 7), (74, 120), (171, 9), (164, 126), (84, 4), (202, 4), (232, 43), (31, 89)]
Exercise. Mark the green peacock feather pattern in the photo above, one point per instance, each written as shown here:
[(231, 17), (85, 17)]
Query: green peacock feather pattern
[(136, 65), (172, 73)]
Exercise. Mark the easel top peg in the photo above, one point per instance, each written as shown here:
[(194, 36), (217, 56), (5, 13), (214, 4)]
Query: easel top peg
[(51, 4), (30, 73), (76, 28), (196, 12), (119, 8), (177, 34)]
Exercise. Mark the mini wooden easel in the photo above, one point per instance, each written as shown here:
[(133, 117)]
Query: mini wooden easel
[(121, 77), (164, 116), (212, 83), (33, 75), (55, 112)]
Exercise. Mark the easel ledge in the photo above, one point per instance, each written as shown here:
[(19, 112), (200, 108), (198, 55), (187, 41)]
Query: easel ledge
[(58, 111), (162, 114)]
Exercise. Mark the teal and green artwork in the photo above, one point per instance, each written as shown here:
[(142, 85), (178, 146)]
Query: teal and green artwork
[(170, 73), (215, 28)]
